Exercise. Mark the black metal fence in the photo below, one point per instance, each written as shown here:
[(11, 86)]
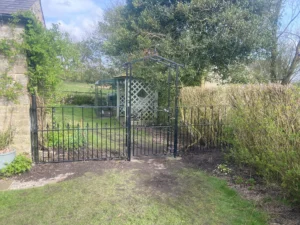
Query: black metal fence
[(77, 133)]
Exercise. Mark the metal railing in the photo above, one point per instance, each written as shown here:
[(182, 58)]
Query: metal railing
[(78, 133)]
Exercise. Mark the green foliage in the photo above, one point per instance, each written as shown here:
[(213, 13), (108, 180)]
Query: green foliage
[(202, 34), (6, 138), (9, 88), (79, 99), (20, 165), (262, 128), (223, 168), (51, 56), (65, 138)]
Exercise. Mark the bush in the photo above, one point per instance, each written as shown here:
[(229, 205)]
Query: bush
[(263, 128), (76, 99), (67, 138), (20, 165), (264, 131)]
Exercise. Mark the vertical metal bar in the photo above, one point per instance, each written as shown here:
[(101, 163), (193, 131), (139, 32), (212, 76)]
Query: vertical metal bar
[(205, 128), (169, 99), (48, 147), (73, 129), (115, 133), (105, 127), (87, 142), (160, 139), (129, 114), (145, 139), (58, 155), (92, 132), (63, 133), (34, 130), (52, 132), (133, 141), (212, 127), (78, 131), (184, 128), (68, 149), (176, 112), (97, 137), (42, 126), (101, 139), (110, 132), (126, 111)]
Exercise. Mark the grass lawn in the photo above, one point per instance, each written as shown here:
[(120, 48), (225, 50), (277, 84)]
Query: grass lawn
[(79, 87), (76, 86), (184, 196)]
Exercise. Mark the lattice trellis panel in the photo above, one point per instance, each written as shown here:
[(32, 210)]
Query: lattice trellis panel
[(122, 104), (121, 96), (143, 100)]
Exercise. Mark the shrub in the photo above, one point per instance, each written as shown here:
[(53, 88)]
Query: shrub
[(20, 165), (263, 128), (67, 138), (6, 138), (264, 131), (79, 99)]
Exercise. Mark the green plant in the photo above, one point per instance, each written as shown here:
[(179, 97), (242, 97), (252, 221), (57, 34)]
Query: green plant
[(223, 168), (20, 165), (250, 183), (261, 129), (9, 88), (50, 55), (79, 99), (238, 180), (6, 138), (65, 138)]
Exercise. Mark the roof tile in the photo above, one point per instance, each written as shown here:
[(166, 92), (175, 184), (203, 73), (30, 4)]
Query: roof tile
[(13, 6)]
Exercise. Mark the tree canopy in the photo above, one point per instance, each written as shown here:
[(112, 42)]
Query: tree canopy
[(205, 35)]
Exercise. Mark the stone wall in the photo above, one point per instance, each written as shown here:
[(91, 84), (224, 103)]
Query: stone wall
[(11, 114), (38, 12)]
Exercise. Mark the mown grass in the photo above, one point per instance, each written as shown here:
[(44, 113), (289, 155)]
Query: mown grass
[(126, 197), (79, 87), (76, 87)]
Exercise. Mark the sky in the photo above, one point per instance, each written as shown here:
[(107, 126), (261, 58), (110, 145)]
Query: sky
[(77, 17)]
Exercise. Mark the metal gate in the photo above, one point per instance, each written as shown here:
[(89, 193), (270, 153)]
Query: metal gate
[(80, 133), (159, 136)]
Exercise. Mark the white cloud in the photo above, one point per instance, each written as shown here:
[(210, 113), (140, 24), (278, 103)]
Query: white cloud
[(77, 17)]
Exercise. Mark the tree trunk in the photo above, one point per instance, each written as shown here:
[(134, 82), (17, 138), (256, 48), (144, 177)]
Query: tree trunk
[(293, 66)]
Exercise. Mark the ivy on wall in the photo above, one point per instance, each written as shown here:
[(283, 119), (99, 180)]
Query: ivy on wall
[(9, 88), (50, 57)]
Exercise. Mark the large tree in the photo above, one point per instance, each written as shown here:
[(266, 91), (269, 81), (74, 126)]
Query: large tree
[(202, 34)]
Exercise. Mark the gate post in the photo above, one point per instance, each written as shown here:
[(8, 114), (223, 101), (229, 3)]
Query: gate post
[(128, 109), (34, 129), (176, 113)]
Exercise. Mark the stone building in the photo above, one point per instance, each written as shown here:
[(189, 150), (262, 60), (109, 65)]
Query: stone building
[(12, 114)]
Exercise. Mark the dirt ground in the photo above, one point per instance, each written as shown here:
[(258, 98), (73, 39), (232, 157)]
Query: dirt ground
[(264, 197)]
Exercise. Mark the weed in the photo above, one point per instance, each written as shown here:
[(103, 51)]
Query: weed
[(223, 168)]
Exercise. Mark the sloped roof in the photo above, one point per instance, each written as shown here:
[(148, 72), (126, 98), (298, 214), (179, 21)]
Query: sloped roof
[(13, 6)]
